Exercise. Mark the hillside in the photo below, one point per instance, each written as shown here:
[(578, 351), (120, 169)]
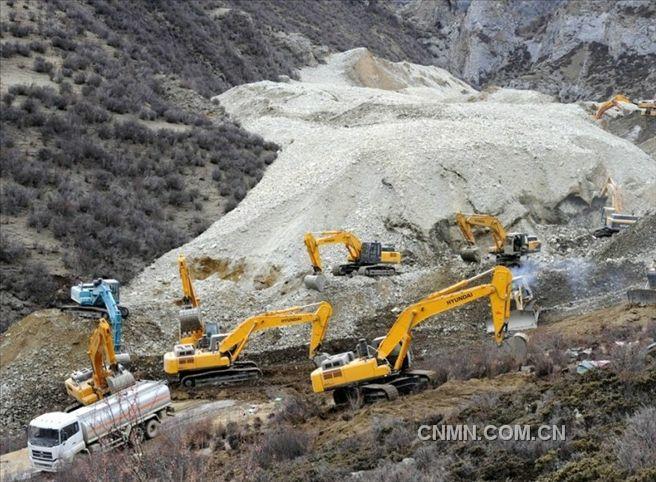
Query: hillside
[(582, 50), (133, 131), (114, 94), (403, 158)]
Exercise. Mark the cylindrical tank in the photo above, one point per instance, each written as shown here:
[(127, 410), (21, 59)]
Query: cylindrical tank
[(123, 408)]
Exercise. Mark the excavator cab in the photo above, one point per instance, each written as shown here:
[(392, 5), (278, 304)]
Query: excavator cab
[(211, 330), (371, 253)]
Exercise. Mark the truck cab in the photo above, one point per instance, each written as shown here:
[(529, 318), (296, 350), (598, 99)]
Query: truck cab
[(53, 439)]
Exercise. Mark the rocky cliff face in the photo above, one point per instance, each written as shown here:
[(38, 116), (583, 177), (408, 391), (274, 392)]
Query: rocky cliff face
[(577, 50)]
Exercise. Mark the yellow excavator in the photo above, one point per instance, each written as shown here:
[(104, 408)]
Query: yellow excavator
[(383, 371), (214, 357), (508, 247), (106, 376), (368, 259), (613, 217), (615, 101)]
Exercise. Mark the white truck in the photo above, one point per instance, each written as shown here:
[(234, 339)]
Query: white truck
[(125, 417)]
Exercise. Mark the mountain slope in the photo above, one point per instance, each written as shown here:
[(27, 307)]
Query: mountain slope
[(577, 50)]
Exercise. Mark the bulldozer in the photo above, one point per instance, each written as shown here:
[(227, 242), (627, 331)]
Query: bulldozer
[(368, 259), (107, 374), (613, 217), (508, 247), (383, 370), (213, 358), (647, 295)]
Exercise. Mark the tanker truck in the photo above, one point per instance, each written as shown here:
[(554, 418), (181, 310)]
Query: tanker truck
[(126, 417)]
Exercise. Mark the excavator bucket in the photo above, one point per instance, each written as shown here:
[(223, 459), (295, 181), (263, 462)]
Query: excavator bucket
[(315, 282), (190, 320), (516, 346), (471, 254)]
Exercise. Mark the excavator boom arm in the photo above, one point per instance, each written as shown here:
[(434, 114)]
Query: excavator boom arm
[(101, 352), (466, 221), (113, 312), (187, 285), (236, 340), (349, 240), (498, 291), (615, 192), (614, 102)]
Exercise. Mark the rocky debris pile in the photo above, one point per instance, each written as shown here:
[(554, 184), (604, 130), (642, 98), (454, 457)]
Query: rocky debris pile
[(391, 163), (576, 50), (38, 353)]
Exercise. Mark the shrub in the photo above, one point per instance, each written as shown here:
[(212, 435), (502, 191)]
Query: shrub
[(79, 78), (285, 443), (393, 435), (42, 66), (63, 42), (635, 449), (19, 30), (15, 199), (37, 283), (627, 360), (9, 49), (11, 250), (294, 410)]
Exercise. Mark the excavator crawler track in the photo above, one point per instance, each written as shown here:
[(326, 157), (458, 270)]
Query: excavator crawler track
[(412, 381), (239, 372), (372, 271), (92, 311)]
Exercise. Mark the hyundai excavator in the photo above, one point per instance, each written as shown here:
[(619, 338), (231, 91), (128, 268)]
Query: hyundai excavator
[(383, 371), (106, 375), (508, 247), (612, 217), (368, 259), (214, 357)]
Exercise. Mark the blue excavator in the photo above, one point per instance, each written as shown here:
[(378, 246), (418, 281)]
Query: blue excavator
[(100, 297)]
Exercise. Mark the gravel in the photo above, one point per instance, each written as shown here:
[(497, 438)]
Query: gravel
[(394, 164)]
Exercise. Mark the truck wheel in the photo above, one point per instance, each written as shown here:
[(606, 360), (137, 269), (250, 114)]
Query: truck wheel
[(152, 428)]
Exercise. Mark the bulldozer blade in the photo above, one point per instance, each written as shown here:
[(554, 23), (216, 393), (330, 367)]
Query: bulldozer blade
[(519, 320), (643, 296), (471, 254), (315, 282), (523, 320)]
